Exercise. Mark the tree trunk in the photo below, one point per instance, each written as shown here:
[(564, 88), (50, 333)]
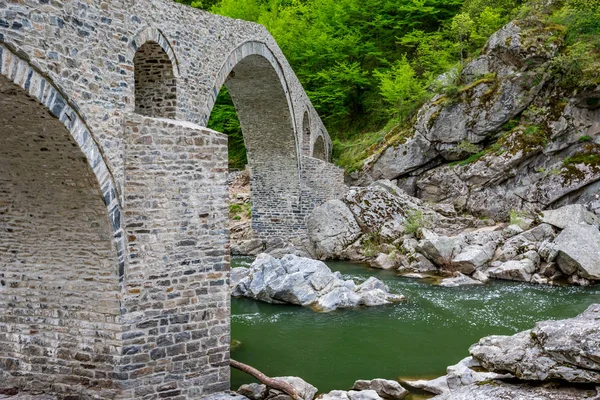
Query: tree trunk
[(270, 382)]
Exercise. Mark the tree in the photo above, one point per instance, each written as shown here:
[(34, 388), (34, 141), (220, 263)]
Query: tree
[(462, 24)]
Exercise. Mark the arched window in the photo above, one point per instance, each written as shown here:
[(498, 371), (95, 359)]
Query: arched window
[(319, 150), (155, 83), (306, 134)]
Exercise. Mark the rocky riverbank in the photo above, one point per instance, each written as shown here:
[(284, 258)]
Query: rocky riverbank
[(554, 360), (306, 282), (393, 230)]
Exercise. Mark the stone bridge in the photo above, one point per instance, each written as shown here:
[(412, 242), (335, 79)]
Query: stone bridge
[(114, 249)]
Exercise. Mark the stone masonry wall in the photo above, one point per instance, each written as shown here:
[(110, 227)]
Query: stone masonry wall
[(176, 310), (59, 284), (324, 180)]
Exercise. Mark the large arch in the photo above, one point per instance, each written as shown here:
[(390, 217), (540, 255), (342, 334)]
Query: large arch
[(260, 93), (61, 249)]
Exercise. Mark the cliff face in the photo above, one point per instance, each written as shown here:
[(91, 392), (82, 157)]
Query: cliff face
[(511, 138)]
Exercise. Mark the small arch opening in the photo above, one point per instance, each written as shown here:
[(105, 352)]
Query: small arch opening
[(319, 150), (306, 134), (155, 82)]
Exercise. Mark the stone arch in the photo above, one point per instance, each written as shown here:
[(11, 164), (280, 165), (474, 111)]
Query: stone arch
[(257, 85), (156, 72), (61, 242), (306, 134), (320, 149)]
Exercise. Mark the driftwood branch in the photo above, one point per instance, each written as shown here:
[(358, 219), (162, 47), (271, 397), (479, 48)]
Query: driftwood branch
[(270, 382)]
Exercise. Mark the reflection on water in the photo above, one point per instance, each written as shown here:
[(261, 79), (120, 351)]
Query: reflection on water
[(417, 338)]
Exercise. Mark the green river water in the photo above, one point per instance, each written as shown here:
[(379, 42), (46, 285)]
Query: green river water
[(418, 338)]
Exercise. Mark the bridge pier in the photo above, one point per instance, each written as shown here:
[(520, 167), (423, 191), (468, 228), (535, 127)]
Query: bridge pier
[(176, 307)]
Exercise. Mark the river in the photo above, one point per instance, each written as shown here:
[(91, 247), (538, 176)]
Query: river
[(418, 338)]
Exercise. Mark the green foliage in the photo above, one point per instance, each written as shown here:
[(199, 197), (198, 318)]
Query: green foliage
[(471, 159), (239, 211), (462, 24), (586, 138), (516, 217), (578, 64), (400, 88), (224, 119), (371, 243), (202, 4), (414, 221), (467, 147)]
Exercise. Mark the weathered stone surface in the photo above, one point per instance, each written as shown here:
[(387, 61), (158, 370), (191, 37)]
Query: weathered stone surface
[(402, 158), (363, 395), (331, 228), (531, 240), (505, 391), (473, 257), (351, 395), (459, 280), (463, 374), (384, 387), (307, 282), (305, 390), (568, 350), (517, 270), (440, 249), (578, 248), (435, 386), (382, 207), (386, 261), (253, 391), (573, 214)]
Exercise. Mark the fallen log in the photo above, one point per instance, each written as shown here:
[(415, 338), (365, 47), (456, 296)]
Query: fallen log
[(270, 382)]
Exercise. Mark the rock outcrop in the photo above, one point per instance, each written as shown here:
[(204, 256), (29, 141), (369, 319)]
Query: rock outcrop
[(306, 282), (502, 137), (554, 360), (568, 350), (385, 388)]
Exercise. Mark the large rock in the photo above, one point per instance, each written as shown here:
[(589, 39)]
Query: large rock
[(440, 249), (530, 240), (331, 228), (567, 350), (517, 270), (306, 282), (473, 257), (305, 390), (401, 158), (435, 386), (459, 280), (578, 250), (465, 374), (384, 387), (384, 209), (573, 214), (351, 395), (496, 390)]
